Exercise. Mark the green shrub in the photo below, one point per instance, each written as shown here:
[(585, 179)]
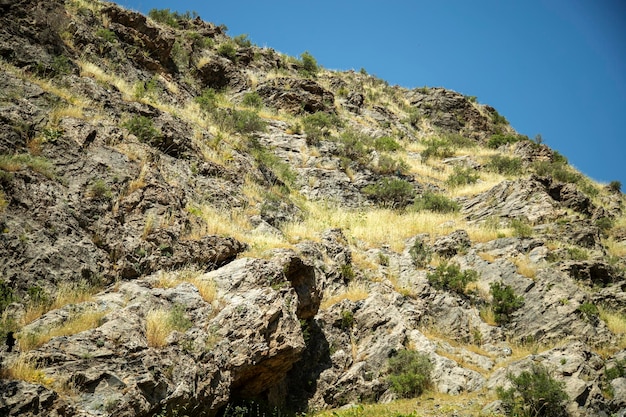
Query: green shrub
[(390, 165), (497, 140), (435, 202), (462, 176), (386, 143), (243, 40), (560, 171), (589, 311), (347, 319), (309, 64), (143, 128), (505, 302), (6, 295), (207, 100), (437, 148), (577, 254), (228, 50), (617, 371), (449, 277), (391, 192), (170, 18), (409, 373), (421, 253), (521, 228), (106, 35), (178, 320), (252, 100), (505, 165), (241, 121), (317, 126), (534, 394), (498, 119), (615, 187), (99, 189)]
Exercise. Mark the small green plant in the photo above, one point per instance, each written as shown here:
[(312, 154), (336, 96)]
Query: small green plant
[(309, 64), (504, 302), (437, 148), (420, 253), (243, 40), (521, 228), (534, 393), (617, 371), (449, 277), (228, 50), (438, 203), (589, 311), (170, 18), (615, 187), (498, 119), (558, 170), (106, 35), (178, 320), (143, 128), (347, 319), (505, 165), (390, 192), (252, 100), (99, 189), (317, 126), (390, 165), (386, 143), (6, 295), (497, 140), (462, 176), (409, 373), (207, 100)]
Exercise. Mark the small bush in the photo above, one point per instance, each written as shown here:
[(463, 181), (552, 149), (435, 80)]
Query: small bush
[(309, 64), (106, 35), (504, 303), (143, 128), (449, 277), (521, 228), (558, 170), (390, 165), (421, 253), (246, 121), (6, 295), (437, 148), (615, 187), (435, 202), (617, 371), (207, 100), (160, 323), (462, 176), (386, 143), (498, 119), (391, 192), (505, 165), (170, 18), (534, 394), (252, 100), (99, 190), (317, 126), (228, 50), (497, 140), (347, 319), (589, 311), (243, 40), (409, 373)]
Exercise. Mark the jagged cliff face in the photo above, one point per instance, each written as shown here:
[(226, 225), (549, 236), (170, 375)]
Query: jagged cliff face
[(189, 221)]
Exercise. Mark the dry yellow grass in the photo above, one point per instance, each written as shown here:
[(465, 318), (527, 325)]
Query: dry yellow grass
[(524, 267), (488, 316), (616, 322), (614, 248), (355, 291), (88, 69), (77, 324), (24, 369), (157, 327), (66, 294), (206, 287), (487, 257)]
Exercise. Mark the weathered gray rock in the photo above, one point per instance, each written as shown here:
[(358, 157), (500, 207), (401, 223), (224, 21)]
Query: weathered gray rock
[(296, 96)]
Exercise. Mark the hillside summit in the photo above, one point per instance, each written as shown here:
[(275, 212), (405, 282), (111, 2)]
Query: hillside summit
[(193, 225)]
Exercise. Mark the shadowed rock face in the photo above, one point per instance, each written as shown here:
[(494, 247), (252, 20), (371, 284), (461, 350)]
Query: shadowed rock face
[(265, 253)]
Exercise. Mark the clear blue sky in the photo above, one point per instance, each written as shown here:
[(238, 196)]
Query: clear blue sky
[(554, 67)]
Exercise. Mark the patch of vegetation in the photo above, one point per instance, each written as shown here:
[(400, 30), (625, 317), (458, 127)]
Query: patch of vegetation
[(449, 277), (240, 121), (589, 311), (421, 253), (497, 140), (106, 35), (434, 202), (462, 176), (18, 162), (243, 40), (498, 119), (505, 165), (615, 187), (143, 128), (534, 393), (386, 143), (437, 148), (504, 303), (99, 190), (347, 319), (409, 373), (6, 295), (207, 100), (521, 228), (309, 64), (557, 169), (228, 50), (160, 323), (170, 18), (390, 192), (252, 100), (317, 126), (389, 165), (617, 371)]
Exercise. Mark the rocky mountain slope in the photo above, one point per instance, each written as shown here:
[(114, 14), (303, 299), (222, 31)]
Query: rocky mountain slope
[(194, 225)]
